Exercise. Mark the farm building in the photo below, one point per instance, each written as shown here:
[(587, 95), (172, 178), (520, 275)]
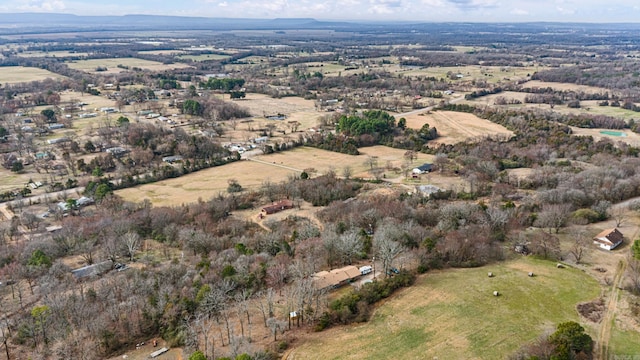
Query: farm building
[(424, 168), (58, 141), (609, 239), (172, 159), (336, 277), (277, 207), (117, 151), (55, 126), (92, 270)]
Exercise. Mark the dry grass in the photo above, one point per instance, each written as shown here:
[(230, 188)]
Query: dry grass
[(112, 65), (12, 181), (161, 52), (275, 167), (455, 127), (205, 184), (52, 54), (565, 87), (18, 74), (491, 74), (259, 106), (205, 57)]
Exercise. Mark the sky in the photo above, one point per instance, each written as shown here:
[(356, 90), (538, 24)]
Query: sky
[(377, 10)]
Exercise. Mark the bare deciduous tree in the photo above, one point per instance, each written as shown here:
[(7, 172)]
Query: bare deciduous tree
[(580, 245), (554, 217), (544, 245), (386, 245), (132, 242), (349, 245)]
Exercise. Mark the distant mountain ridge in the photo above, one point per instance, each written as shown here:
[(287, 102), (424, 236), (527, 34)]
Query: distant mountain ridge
[(36, 23), (18, 22)]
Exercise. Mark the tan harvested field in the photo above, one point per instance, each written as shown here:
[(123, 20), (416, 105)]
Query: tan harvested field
[(18, 74), (112, 65), (161, 52), (205, 184), (273, 167), (454, 127), (52, 54), (295, 108), (260, 105), (565, 86), (491, 99), (491, 74), (205, 57), (630, 137)]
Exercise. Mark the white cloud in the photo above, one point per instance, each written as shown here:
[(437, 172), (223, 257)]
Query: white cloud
[(223, 4), (517, 11), (384, 7), (40, 6), (565, 11)]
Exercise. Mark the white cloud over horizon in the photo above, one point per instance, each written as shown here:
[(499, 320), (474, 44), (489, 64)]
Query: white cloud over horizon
[(376, 10)]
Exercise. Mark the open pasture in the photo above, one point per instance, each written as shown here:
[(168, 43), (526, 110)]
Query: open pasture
[(564, 87), (274, 167), (260, 106), (591, 107), (452, 314), (90, 66), (161, 52), (491, 74), (52, 54), (205, 184), (454, 127), (19, 74), (205, 57)]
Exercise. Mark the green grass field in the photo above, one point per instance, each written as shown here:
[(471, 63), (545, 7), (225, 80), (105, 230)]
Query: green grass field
[(452, 314), (624, 342)]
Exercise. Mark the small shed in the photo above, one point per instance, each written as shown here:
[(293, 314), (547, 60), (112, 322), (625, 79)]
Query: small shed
[(157, 353), (609, 239), (277, 207)]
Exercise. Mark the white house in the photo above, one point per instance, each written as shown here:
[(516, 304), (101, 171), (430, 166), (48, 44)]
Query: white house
[(424, 168), (609, 239)]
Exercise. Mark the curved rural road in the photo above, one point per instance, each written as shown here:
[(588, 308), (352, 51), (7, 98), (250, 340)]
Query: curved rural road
[(608, 319)]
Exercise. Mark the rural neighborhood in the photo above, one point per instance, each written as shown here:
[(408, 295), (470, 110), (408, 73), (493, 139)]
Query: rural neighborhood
[(199, 188)]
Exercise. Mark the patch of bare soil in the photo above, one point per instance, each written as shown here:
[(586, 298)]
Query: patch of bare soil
[(592, 310)]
